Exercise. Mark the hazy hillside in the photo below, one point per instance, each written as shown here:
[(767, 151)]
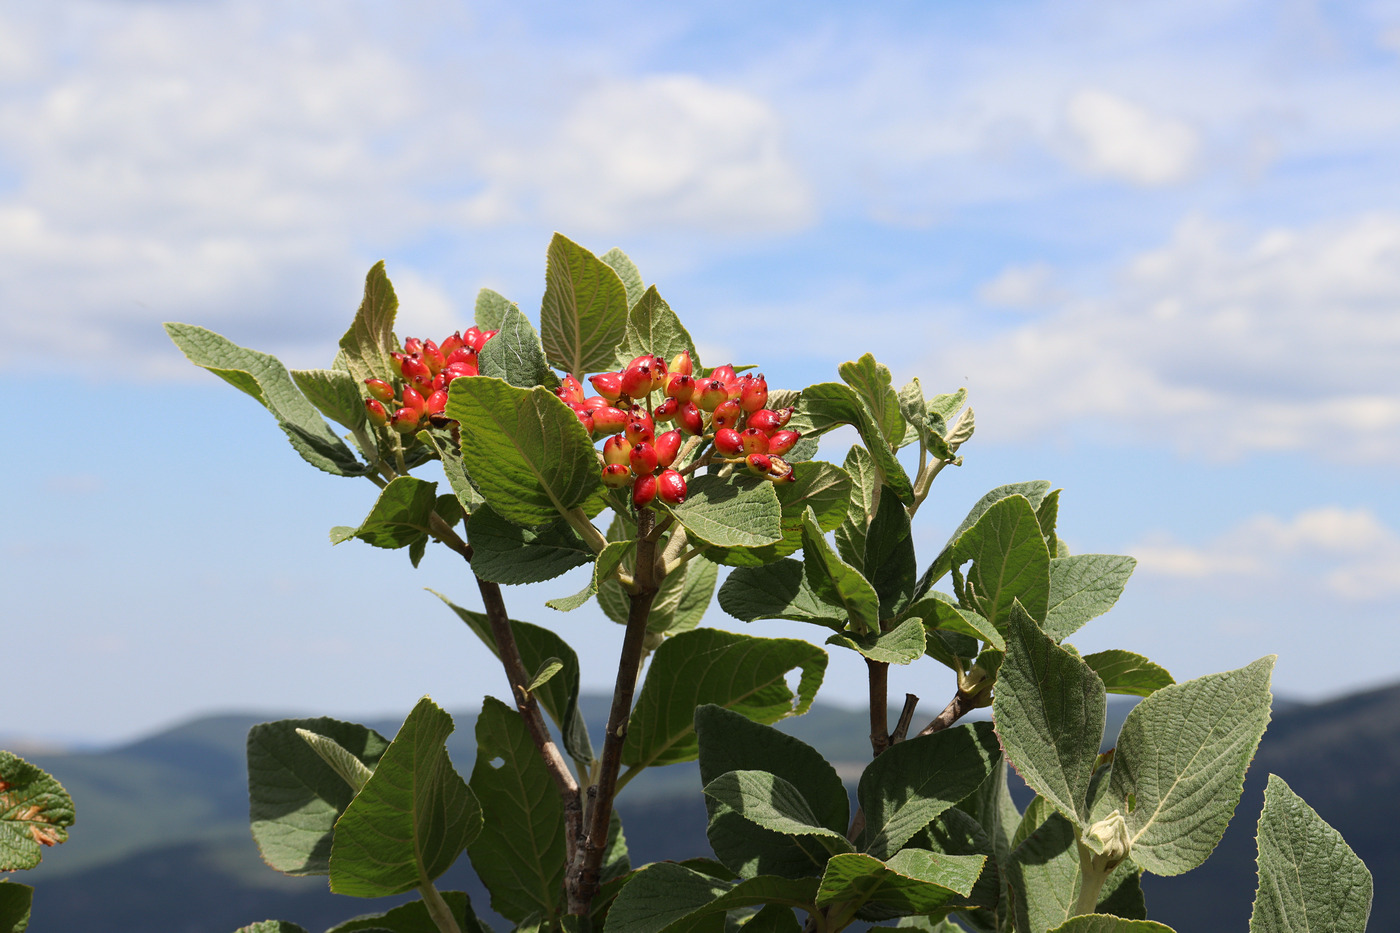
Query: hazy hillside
[(162, 844)]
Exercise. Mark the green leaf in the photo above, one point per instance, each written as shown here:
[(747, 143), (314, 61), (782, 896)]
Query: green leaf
[(413, 917), (911, 783), (728, 741), (265, 378), (1050, 711), (491, 309), (519, 855), (1083, 587), (525, 449), (630, 275), (1100, 923), (871, 380), (272, 926), (829, 405), (15, 900), (35, 811), (865, 497), (939, 612), (889, 560), (1309, 878), (295, 796), (400, 516), (902, 644), (583, 317), (735, 511), (776, 591), (411, 820), (659, 897), (367, 345), (611, 596), (1182, 755), (953, 650), (772, 803), (1034, 492), (544, 674), (504, 552), (467, 496), (1046, 515), (994, 810), (334, 392), (914, 881), (515, 354), (957, 833), (738, 672), (837, 582), (653, 328), (1010, 562), (824, 488), (559, 696), (683, 597), (915, 412), (354, 772), (1044, 876), (1128, 673)]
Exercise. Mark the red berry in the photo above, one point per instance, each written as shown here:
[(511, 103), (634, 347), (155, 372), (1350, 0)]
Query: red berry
[(570, 390), (610, 419), (608, 385), (759, 464), (412, 399), (450, 344), (724, 374), (763, 419), (433, 357), (667, 446), (680, 386), (728, 442), (639, 414), (436, 402), (727, 414), (412, 367), (643, 458), (616, 449), (405, 420), (681, 364), (637, 378), (462, 355), (643, 491), (585, 417), (380, 389), (595, 402), (666, 411), (671, 485), (412, 346), (754, 441), (780, 471), (690, 420), (781, 441), (458, 370), (378, 416), (615, 475), (471, 337), (754, 394), (710, 393)]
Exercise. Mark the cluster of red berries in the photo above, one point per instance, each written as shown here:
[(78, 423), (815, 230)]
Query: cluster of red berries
[(723, 407), (427, 368)]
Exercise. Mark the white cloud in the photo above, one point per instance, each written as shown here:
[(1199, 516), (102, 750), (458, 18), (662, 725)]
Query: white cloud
[(1348, 553), (660, 150), (1123, 139), (1021, 287), (1217, 343)]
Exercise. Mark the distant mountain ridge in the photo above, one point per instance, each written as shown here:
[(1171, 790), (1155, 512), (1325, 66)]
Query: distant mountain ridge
[(162, 842)]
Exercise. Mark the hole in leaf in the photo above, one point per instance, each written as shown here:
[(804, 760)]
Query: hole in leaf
[(497, 762)]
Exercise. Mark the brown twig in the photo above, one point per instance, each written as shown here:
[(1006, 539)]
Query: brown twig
[(959, 706), (906, 716), (878, 674)]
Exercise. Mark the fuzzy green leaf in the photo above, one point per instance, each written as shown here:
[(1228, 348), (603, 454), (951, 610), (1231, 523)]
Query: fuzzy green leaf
[(777, 591), (367, 345), (889, 560), (661, 896), (630, 275), (837, 582), (491, 309), (1050, 712), (1083, 587), (504, 552), (1044, 877), (872, 383), (902, 644), (653, 328), (829, 405), (515, 355), (295, 796), (15, 900), (1034, 491), (729, 741), (911, 783), (824, 488), (1010, 562), (335, 393), (400, 516), (738, 672), (35, 811), (1046, 515), (771, 802), (1128, 673), (583, 317), (1102, 923), (519, 855), (524, 448), (914, 881), (559, 696), (413, 917), (1179, 769), (938, 611), (1309, 878), (737, 511), (864, 499), (413, 817)]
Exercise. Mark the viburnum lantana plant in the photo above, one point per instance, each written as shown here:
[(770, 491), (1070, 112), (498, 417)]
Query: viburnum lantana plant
[(665, 473)]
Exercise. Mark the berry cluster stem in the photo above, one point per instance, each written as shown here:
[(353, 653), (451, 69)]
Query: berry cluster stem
[(582, 878)]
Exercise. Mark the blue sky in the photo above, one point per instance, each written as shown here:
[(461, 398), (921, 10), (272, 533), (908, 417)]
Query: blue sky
[(1160, 245)]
